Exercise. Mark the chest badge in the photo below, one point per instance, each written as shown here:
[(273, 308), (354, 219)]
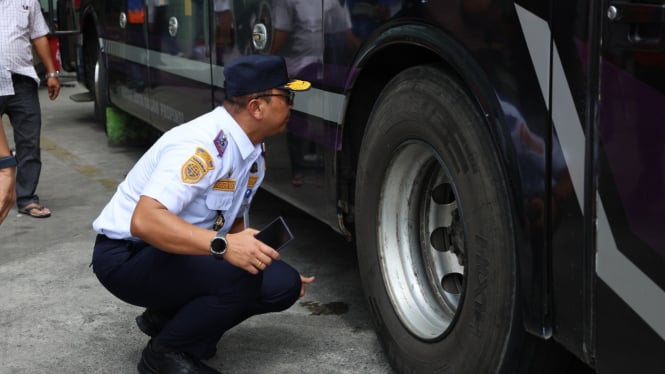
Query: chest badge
[(221, 142), (219, 221)]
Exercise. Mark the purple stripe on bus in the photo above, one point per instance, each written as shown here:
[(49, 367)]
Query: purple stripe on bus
[(316, 130), (633, 133)]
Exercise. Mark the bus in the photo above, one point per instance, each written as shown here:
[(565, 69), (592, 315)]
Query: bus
[(499, 165)]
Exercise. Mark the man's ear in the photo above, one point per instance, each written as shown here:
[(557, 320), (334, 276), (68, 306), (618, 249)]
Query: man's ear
[(255, 108)]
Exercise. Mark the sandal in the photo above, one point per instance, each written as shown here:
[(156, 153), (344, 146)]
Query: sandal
[(35, 210)]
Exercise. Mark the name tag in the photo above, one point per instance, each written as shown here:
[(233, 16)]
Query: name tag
[(228, 185)]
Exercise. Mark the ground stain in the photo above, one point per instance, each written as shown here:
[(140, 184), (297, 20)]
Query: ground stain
[(77, 164), (333, 308)]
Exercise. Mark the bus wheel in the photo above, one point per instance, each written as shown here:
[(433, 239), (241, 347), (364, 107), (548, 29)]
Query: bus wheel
[(97, 78), (434, 231)]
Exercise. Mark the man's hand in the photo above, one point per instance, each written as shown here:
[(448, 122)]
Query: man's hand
[(7, 191), (248, 253), (53, 84), (7, 179), (304, 281), (43, 50)]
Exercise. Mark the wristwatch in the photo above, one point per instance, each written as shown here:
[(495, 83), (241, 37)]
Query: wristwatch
[(7, 162), (55, 74), (218, 246)]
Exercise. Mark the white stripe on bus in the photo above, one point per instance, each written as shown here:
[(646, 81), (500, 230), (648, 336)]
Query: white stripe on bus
[(316, 102)]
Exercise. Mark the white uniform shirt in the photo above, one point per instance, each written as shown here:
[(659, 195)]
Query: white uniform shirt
[(184, 171), (21, 21)]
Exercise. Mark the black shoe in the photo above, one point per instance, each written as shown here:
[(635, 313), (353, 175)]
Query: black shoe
[(151, 322), (153, 362)]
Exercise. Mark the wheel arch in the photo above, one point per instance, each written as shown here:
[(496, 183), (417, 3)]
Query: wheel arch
[(405, 46)]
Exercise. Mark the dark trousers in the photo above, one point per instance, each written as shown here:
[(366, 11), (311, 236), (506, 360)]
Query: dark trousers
[(25, 116), (210, 295)]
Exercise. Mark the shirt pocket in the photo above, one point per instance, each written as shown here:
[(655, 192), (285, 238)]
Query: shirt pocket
[(23, 20), (217, 200)]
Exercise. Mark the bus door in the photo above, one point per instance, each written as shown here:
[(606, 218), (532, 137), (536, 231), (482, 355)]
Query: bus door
[(631, 184), (179, 57)]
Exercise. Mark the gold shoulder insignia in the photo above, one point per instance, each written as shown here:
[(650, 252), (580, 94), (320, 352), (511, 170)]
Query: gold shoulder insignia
[(206, 157), (193, 170), (197, 166)]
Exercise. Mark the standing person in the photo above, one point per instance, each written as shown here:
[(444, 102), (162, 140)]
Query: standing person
[(224, 32), (172, 238), (299, 27), (7, 176), (22, 23)]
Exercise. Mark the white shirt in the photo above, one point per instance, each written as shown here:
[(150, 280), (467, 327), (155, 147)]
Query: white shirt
[(184, 171), (21, 21), (306, 21), (221, 5)]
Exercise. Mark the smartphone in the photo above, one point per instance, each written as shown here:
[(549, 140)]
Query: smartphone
[(276, 234)]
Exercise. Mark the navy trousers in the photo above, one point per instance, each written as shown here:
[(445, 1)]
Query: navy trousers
[(24, 113), (209, 295)]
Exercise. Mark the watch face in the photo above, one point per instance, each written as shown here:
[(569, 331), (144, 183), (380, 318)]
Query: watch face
[(218, 245)]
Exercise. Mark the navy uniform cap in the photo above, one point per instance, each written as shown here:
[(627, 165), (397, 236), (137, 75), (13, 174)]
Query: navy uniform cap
[(256, 73)]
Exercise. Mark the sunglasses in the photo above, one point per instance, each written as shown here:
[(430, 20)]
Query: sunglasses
[(290, 96)]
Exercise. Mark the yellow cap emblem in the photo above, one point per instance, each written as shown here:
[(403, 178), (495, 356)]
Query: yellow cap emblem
[(298, 85)]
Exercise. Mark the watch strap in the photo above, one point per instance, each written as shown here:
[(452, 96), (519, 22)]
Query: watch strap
[(7, 162)]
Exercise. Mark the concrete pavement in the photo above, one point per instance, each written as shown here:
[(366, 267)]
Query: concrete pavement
[(55, 317)]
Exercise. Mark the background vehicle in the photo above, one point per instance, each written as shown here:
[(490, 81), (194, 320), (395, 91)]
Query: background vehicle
[(499, 164)]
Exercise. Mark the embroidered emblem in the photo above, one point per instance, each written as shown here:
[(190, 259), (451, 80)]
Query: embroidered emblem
[(252, 181), (220, 143), (254, 168), (197, 166), (206, 157), (225, 185), (193, 170)]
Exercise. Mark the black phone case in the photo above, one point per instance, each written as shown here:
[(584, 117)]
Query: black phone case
[(276, 234)]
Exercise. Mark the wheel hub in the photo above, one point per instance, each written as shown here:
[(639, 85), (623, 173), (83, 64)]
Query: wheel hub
[(421, 241)]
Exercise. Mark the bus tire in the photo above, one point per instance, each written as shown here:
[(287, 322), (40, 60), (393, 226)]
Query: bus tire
[(97, 79), (434, 228), (101, 91)]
